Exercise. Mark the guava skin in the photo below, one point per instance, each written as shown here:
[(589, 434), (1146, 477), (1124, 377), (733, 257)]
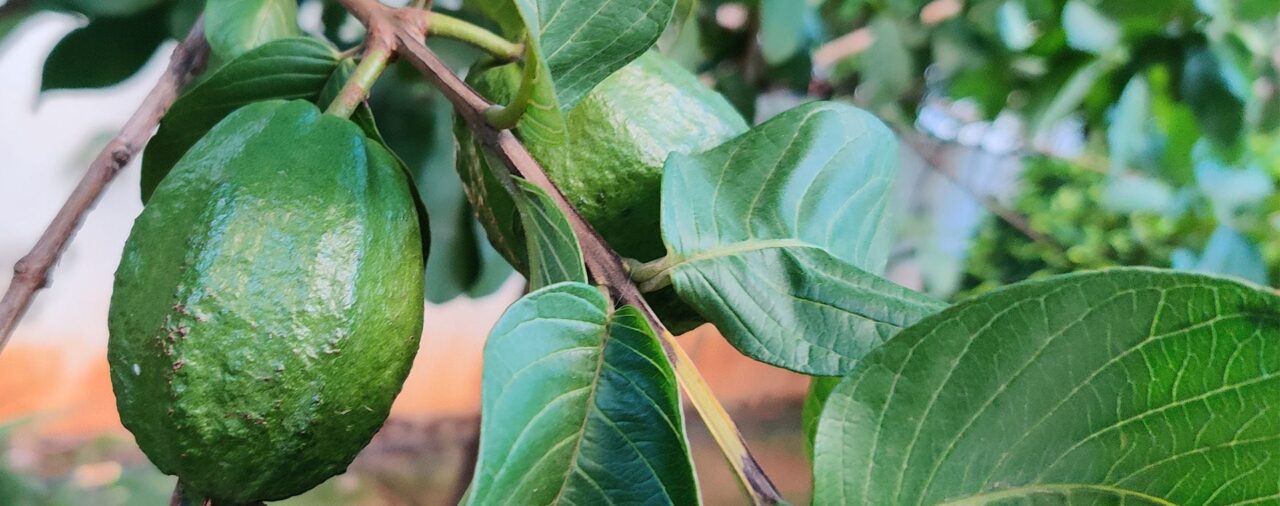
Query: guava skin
[(268, 304), (606, 154)]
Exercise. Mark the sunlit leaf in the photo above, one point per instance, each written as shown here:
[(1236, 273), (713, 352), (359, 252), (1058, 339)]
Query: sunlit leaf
[(1089, 30), (1015, 26), (1127, 133), (1230, 253)]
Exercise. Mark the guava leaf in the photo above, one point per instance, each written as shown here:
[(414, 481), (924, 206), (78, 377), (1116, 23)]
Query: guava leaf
[(579, 407), (820, 388), (105, 52), (1126, 386), (774, 236), (554, 253), (796, 306), (234, 27), (296, 68), (581, 42)]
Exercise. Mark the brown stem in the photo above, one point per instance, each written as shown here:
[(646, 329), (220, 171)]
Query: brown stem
[(31, 273), (604, 264)]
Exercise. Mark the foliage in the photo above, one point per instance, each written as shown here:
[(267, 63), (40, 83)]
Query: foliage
[(1064, 201), (1090, 388), (278, 254)]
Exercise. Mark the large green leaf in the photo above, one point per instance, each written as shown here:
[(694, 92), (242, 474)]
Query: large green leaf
[(235, 27), (1130, 386), (554, 253), (285, 69), (774, 237), (105, 52), (581, 42), (579, 407)]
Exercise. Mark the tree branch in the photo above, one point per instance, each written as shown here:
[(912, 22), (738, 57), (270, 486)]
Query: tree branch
[(604, 264), (935, 162), (31, 273)]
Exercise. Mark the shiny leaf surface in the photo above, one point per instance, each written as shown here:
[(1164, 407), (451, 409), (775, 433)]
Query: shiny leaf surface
[(581, 42), (579, 407), (774, 236), (554, 254), (1128, 386)]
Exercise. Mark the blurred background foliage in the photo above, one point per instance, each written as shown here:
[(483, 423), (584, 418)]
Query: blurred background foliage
[(1139, 132), (1169, 109)]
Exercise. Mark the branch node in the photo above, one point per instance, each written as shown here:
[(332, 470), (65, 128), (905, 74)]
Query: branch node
[(121, 156)]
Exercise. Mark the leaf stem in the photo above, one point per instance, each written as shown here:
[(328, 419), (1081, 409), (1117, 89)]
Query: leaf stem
[(361, 80), (655, 275), (449, 27), (719, 423), (504, 117)]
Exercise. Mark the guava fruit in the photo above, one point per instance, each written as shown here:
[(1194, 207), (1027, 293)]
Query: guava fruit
[(268, 304), (606, 153)]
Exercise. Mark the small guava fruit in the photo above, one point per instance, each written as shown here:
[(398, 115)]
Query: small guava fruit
[(606, 153), (268, 304)]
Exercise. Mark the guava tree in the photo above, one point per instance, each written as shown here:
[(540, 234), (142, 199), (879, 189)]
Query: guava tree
[(268, 303)]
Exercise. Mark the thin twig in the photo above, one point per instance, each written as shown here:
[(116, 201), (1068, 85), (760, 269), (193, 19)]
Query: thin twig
[(934, 161), (604, 264), (31, 273)]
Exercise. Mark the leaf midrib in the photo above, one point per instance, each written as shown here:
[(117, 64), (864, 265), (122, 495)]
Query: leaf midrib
[(586, 413), (677, 260)]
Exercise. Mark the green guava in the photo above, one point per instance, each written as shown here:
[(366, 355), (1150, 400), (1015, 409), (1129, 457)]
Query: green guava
[(268, 304), (606, 154)]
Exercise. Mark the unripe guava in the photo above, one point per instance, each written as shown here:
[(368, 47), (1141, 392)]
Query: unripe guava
[(606, 154), (268, 305)]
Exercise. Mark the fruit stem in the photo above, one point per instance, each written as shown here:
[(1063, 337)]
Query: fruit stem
[(505, 117), (449, 27), (361, 80)]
